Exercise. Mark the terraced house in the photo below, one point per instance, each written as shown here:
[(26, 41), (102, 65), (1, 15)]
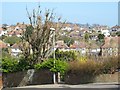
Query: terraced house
[(111, 46)]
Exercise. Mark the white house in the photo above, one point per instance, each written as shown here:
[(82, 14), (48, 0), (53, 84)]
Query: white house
[(3, 32), (15, 50), (105, 32), (67, 28)]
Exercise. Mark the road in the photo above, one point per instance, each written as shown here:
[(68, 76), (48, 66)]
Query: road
[(100, 86)]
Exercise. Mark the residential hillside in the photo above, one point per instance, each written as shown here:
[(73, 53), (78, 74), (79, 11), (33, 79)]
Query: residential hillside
[(72, 36)]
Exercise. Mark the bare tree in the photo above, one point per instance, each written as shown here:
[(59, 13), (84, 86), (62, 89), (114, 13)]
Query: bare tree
[(37, 38)]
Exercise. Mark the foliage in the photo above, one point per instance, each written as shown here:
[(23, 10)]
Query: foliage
[(110, 65), (5, 52), (12, 40), (101, 36), (58, 66), (86, 37), (3, 37), (101, 39), (118, 33), (69, 41), (65, 55), (88, 67), (9, 64), (82, 58), (23, 64), (82, 72)]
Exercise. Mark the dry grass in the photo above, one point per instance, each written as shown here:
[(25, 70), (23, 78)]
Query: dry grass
[(86, 71)]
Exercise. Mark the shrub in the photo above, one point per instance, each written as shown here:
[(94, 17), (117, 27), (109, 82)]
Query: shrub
[(9, 65), (85, 70), (65, 55), (82, 72), (23, 64), (89, 67), (60, 66), (110, 65)]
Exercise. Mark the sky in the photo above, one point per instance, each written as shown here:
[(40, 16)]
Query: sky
[(104, 13)]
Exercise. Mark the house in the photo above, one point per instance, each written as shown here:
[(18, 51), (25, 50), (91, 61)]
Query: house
[(15, 50), (15, 33), (74, 33), (115, 28), (16, 30), (111, 46), (80, 47), (66, 29), (2, 32), (61, 46), (93, 49), (106, 32)]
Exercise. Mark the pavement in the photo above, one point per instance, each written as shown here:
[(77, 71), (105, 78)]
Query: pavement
[(102, 86)]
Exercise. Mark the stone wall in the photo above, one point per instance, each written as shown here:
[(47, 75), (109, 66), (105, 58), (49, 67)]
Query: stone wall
[(22, 78), (103, 78)]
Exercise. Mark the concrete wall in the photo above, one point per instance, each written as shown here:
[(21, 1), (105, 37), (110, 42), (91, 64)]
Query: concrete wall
[(76, 78), (103, 78), (15, 79)]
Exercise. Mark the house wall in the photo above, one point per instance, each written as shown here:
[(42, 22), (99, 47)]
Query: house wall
[(15, 52), (109, 51)]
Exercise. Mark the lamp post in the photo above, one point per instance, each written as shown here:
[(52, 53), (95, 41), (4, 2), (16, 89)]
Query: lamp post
[(54, 76)]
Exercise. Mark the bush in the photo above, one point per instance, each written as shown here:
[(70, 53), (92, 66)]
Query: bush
[(110, 65), (85, 70), (9, 65), (89, 67), (82, 72), (65, 55), (23, 64), (60, 66)]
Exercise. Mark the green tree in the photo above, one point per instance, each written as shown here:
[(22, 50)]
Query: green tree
[(86, 37), (12, 40), (69, 41), (3, 37), (118, 33), (101, 42)]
